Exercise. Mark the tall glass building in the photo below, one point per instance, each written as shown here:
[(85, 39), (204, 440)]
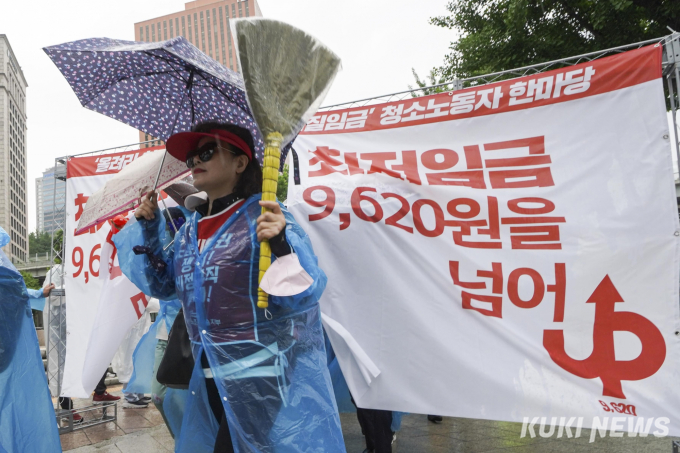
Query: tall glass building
[(49, 189)]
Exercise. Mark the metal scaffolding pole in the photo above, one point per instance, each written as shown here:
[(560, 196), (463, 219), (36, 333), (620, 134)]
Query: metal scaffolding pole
[(500, 75), (55, 307), (671, 62), (55, 325)]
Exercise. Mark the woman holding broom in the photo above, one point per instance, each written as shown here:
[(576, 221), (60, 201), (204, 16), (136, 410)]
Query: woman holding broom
[(260, 383)]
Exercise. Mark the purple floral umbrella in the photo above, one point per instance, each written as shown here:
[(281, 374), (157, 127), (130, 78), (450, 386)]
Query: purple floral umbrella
[(159, 88)]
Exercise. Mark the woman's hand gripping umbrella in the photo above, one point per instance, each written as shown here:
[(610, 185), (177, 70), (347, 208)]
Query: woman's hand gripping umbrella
[(159, 88)]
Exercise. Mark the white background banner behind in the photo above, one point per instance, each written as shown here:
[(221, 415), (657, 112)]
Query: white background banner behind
[(503, 252), (82, 253)]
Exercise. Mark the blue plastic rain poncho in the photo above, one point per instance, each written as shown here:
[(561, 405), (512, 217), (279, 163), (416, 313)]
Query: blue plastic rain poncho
[(173, 401), (36, 299), (271, 374), (145, 352), (27, 420), (149, 352)]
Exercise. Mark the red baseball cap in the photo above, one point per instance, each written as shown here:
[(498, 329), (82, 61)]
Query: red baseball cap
[(181, 144)]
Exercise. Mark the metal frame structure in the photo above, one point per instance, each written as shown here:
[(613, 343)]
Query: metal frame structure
[(56, 328), (459, 84), (671, 73), (670, 66), (56, 351)]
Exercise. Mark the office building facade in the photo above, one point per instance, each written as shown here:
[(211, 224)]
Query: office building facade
[(205, 23), (50, 191), (13, 158)]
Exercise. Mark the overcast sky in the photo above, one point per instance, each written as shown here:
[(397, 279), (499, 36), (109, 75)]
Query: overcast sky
[(379, 42)]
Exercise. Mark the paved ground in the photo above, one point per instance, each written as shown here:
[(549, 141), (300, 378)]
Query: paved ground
[(143, 431), (136, 430)]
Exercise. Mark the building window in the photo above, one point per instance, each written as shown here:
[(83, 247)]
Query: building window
[(247, 9), (231, 64), (190, 36), (207, 19), (159, 31), (217, 45), (153, 33), (233, 10), (165, 30), (240, 9), (196, 29), (224, 55), (141, 33), (176, 26), (184, 31), (172, 34), (202, 33)]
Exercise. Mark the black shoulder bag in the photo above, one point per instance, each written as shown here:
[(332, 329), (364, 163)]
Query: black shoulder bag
[(177, 364)]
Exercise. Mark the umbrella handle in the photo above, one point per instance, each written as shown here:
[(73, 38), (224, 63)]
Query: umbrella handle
[(270, 179)]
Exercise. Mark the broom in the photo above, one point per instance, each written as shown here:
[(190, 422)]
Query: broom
[(287, 74)]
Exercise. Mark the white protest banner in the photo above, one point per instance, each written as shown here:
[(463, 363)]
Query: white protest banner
[(503, 251), (121, 305), (82, 253)]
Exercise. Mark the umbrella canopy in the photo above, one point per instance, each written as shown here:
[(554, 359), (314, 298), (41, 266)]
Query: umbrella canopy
[(123, 191), (160, 88)]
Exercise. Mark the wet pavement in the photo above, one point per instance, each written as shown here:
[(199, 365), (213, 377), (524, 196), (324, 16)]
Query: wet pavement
[(143, 431)]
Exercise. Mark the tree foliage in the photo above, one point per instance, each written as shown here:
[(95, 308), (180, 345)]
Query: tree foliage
[(282, 186), (427, 86), (30, 281), (58, 244), (496, 35), (39, 242)]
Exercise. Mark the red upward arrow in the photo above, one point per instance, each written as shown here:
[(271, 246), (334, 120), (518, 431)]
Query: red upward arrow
[(602, 361), (605, 292)]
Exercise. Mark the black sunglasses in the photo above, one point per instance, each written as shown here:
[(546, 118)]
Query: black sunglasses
[(205, 153)]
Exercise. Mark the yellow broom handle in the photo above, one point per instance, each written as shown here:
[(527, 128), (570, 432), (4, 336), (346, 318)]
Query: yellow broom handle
[(270, 179)]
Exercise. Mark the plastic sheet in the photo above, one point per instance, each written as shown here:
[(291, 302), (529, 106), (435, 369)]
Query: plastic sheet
[(27, 420), (144, 355), (36, 299), (174, 405), (271, 374), (142, 363), (137, 268), (122, 361), (199, 427), (144, 358), (287, 74)]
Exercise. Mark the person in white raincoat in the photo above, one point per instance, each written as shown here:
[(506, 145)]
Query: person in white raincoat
[(260, 383)]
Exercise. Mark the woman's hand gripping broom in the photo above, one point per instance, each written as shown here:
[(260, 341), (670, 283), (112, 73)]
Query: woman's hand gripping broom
[(286, 73)]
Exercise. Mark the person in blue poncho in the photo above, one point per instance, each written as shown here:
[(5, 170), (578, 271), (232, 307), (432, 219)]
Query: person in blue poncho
[(27, 419), (37, 296), (260, 383), (151, 348)]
